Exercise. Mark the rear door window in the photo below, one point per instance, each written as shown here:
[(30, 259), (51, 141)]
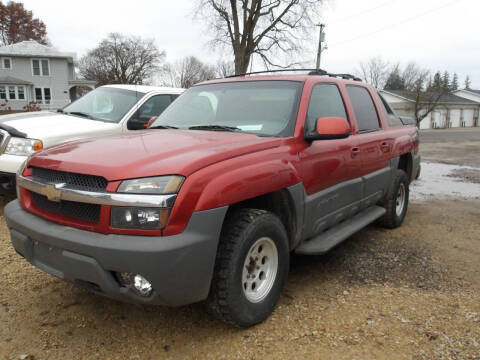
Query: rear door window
[(392, 118), (364, 109), (325, 101)]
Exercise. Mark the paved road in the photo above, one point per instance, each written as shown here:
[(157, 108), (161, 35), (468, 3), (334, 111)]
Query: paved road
[(450, 135), (451, 146)]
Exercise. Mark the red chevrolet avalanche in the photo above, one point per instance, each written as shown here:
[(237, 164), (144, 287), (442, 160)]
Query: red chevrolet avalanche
[(209, 202)]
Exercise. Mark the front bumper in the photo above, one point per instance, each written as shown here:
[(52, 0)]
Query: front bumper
[(9, 165), (7, 183), (180, 267)]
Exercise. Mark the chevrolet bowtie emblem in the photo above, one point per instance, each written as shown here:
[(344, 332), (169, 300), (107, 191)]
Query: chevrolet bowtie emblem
[(53, 192)]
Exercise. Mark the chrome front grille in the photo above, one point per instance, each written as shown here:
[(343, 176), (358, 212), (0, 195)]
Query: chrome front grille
[(70, 209), (71, 180)]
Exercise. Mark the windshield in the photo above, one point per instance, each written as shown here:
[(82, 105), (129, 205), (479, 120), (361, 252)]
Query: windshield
[(105, 104), (265, 108)]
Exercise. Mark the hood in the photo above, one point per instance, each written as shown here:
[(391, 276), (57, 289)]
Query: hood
[(47, 126), (150, 153)]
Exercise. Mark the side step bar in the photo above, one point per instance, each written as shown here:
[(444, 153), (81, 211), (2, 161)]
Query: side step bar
[(322, 243)]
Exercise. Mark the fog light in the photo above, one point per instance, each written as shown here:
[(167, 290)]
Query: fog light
[(141, 285), (139, 218), (137, 282)]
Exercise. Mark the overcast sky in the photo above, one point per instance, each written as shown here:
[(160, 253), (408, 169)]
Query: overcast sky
[(437, 34)]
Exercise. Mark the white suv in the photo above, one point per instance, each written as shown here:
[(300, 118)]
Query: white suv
[(109, 109)]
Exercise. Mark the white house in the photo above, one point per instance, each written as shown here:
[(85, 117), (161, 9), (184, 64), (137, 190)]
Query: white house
[(452, 110), (30, 71)]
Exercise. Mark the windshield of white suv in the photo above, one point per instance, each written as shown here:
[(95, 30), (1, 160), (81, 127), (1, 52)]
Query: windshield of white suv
[(104, 104), (264, 108)]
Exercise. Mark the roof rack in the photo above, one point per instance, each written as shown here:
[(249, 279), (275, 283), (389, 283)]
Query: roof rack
[(310, 72)]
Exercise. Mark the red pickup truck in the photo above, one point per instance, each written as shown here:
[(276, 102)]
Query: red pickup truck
[(208, 203)]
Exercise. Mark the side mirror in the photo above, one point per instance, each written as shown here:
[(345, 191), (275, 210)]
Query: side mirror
[(328, 128), (138, 122)]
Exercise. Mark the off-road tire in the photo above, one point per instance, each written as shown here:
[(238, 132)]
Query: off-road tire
[(227, 300), (391, 219)]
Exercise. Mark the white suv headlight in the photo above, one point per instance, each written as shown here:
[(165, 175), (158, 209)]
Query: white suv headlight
[(23, 147)]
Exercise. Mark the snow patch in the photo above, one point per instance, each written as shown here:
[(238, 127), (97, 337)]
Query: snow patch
[(436, 182)]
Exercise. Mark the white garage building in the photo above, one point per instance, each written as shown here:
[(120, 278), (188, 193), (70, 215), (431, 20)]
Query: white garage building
[(470, 94), (453, 110)]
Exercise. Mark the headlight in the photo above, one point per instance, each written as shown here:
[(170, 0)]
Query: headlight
[(145, 218), (152, 185), (23, 147)]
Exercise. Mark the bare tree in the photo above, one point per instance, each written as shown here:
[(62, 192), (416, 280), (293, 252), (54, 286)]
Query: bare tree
[(187, 72), (417, 85), (263, 27), (426, 101), (374, 71), (225, 68), (121, 59), (413, 76)]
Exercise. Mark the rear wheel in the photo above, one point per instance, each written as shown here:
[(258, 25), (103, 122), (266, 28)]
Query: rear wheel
[(396, 201), (251, 268)]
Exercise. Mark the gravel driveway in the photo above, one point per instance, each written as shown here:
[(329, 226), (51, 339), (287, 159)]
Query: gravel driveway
[(408, 293)]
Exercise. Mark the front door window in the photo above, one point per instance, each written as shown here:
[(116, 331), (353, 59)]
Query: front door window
[(43, 95)]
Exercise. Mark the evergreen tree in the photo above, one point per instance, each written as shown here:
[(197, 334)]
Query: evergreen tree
[(454, 84), (437, 83), (446, 80), (395, 80), (468, 83)]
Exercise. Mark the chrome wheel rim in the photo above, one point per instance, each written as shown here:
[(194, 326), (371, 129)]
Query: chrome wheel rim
[(400, 201), (260, 269)]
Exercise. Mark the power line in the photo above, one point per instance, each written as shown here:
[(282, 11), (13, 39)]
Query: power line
[(363, 12), (396, 24)]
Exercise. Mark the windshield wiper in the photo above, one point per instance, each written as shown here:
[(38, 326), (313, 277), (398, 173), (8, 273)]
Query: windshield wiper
[(82, 114), (163, 127), (214, 128)]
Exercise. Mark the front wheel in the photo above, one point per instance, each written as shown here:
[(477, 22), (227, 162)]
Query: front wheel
[(251, 267)]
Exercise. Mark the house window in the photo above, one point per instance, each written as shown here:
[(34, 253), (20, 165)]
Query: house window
[(38, 95), (11, 93), (43, 95), (45, 68), (6, 63), (21, 93), (36, 67), (46, 95), (40, 67)]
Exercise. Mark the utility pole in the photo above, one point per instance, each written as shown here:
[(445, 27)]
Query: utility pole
[(321, 39)]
